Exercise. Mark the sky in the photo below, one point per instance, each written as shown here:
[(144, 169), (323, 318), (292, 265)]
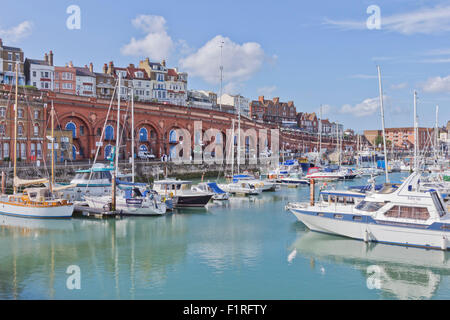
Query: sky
[(311, 52)]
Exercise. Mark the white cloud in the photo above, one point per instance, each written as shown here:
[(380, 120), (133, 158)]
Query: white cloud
[(437, 84), (398, 86), (366, 108), (16, 33), (423, 21), (157, 44), (363, 76), (240, 61), (267, 91)]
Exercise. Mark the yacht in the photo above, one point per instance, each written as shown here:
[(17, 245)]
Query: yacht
[(403, 216), (131, 199), (317, 174), (264, 185), (211, 187), (241, 188), (294, 179), (95, 182), (181, 194)]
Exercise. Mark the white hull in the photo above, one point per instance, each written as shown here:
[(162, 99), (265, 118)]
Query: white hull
[(65, 211), (143, 209), (376, 232)]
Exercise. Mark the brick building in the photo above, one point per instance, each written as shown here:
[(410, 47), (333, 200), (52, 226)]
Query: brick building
[(273, 111)]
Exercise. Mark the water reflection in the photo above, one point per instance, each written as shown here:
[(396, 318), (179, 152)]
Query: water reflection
[(398, 272), (36, 254)]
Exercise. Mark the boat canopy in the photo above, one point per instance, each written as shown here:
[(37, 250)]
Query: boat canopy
[(215, 188), (23, 182), (126, 183)]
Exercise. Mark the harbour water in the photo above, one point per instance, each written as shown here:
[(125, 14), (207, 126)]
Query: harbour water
[(244, 248)]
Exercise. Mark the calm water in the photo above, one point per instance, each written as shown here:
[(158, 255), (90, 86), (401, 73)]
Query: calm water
[(246, 248)]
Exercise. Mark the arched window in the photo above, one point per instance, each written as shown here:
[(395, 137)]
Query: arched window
[(2, 129), (109, 133), (143, 135), (108, 150), (99, 132), (74, 153), (23, 151), (39, 150), (152, 134), (36, 129), (73, 127), (172, 136)]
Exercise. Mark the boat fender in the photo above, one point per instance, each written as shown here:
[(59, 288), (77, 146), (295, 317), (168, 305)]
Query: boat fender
[(444, 243), (366, 236)]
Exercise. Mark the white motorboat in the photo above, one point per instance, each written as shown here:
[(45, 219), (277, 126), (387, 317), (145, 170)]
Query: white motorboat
[(403, 215), (181, 194), (241, 188), (294, 179), (131, 199), (317, 174), (211, 187), (264, 185)]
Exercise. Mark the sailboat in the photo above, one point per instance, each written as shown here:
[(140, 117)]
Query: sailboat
[(37, 202), (132, 198)]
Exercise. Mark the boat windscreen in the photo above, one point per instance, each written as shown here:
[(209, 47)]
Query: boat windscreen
[(215, 188)]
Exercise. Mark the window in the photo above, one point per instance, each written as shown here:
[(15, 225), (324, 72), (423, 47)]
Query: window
[(36, 129), (2, 129), (39, 150), (5, 150), (109, 134), (402, 212), (2, 112), (17, 56), (36, 114), (20, 130), (10, 56), (71, 126), (81, 130), (10, 67), (34, 73), (369, 206), (143, 135)]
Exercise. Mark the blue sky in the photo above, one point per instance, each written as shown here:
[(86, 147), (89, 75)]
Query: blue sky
[(313, 53)]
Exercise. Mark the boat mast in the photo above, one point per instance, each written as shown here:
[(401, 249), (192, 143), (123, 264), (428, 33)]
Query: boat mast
[(15, 126), (436, 134), (415, 131), (53, 149), (239, 135), (232, 148), (320, 134), (382, 124), (132, 134), (118, 125)]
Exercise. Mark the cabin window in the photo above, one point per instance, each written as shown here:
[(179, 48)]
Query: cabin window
[(369, 206), (357, 218), (416, 213), (338, 216)]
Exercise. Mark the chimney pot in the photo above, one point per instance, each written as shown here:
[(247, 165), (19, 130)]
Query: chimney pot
[(51, 58), (91, 67), (45, 57)]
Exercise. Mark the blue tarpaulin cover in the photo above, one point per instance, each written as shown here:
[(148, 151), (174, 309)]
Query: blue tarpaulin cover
[(214, 187)]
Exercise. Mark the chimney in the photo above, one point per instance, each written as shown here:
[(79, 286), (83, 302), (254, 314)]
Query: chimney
[(111, 67), (105, 68), (261, 98), (1, 43), (46, 57), (163, 63), (132, 66), (71, 64), (91, 67), (51, 58)]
